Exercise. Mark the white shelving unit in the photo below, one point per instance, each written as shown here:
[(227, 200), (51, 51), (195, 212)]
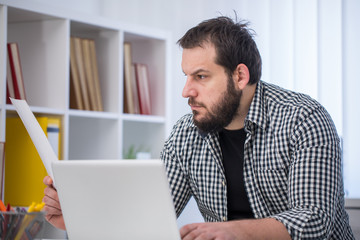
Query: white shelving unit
[(43, 35)]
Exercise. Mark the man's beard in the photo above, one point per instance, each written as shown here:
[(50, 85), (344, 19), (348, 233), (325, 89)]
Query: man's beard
[(222, 113)]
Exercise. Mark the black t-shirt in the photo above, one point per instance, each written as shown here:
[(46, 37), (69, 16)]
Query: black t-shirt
[(232, 147)]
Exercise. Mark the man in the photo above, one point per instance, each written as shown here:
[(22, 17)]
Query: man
[(261, 162)]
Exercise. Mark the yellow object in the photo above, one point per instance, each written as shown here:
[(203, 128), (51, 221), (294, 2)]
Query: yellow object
[(35, 207), (31, 207), (24, 170), (39, 207), (53, 124)]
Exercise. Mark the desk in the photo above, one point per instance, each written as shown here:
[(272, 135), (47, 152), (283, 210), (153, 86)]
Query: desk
[(352, 206)]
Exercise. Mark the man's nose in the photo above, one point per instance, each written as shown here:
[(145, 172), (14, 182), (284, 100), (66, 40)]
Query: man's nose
[(189, 89)]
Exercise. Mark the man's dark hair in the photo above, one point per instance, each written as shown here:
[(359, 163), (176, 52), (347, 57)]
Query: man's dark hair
[(234, 44)]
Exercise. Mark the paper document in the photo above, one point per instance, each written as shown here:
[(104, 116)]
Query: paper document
[(37, 135)]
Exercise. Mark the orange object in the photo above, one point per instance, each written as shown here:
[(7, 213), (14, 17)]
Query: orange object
[(2, 206)]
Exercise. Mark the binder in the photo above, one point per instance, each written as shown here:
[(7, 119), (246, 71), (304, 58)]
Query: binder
[(24, 170)]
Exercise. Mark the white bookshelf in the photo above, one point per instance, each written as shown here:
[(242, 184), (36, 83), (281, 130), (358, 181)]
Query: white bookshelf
[(43, 34)]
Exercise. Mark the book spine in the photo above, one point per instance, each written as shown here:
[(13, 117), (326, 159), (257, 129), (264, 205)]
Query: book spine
[(143, 88), (7, 95), (129, 107), (53, 134), (134, 89), (18, 70), (85, 44), (138, 85), (13, 72), (81, 71), (9, 81), (95, 73), (76, 101)]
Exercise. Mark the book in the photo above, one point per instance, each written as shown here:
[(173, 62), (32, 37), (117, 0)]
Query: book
[(54, 134), (2, 165), (76, 101), (134, 90), (79, 59), (9, 82), (95, 73), (85, 91), (85, 44), (142, 77), (25, 170), (15, 81), (128, 79)]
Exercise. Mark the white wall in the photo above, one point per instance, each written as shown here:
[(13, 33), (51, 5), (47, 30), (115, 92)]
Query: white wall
[(310, 46), (351, 96)]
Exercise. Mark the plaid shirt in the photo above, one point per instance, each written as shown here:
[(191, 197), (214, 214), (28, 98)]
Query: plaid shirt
[(292, 166)]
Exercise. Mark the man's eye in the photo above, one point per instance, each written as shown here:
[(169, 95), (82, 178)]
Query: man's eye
[(200, 76)]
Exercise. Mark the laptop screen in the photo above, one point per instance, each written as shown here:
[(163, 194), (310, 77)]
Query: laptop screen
[(112, 199)]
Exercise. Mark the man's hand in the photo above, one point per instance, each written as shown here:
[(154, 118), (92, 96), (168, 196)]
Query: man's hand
[(214, 231), (52, 205), (267, 228)]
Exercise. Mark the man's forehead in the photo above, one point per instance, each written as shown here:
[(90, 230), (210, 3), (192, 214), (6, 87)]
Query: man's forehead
[(198, 57)]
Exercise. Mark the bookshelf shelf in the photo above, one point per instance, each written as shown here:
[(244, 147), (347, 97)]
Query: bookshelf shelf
[(93, 114), (143, 118), (43, 35), (40, 110)]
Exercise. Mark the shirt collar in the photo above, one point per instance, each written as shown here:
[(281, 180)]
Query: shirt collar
[(257, 111)]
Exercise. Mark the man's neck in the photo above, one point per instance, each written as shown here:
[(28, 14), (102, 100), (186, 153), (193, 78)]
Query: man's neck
[(245, 102)]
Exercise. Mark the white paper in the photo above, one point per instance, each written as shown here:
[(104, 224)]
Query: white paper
[(37, 135)]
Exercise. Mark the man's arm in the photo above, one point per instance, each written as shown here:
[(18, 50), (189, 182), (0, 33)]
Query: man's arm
[(52, 205), (266, 228)]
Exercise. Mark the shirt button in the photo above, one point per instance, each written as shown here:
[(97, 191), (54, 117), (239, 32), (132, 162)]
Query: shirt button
[(223, 183), (224, 219)]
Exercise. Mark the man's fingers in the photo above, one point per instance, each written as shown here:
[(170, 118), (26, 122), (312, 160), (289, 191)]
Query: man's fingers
[(186, 230), (51, 193), (51, 200), (51, 206), (50, 211), (48, 181)]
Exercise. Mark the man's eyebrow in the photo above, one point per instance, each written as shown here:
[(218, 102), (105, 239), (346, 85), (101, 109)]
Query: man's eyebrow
[(197, 72)]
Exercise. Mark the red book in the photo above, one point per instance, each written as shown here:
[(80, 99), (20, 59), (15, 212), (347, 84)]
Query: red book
[(8, 95), (15, 72), (143, 85), (9, 86)]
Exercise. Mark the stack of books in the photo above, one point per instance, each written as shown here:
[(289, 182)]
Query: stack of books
[(85, 92), (136, 85)]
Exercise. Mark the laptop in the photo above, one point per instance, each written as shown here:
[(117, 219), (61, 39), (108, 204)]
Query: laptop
[(107, 199), (115, 199)]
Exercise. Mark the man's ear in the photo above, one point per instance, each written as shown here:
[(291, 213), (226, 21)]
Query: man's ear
[(241, 76)]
